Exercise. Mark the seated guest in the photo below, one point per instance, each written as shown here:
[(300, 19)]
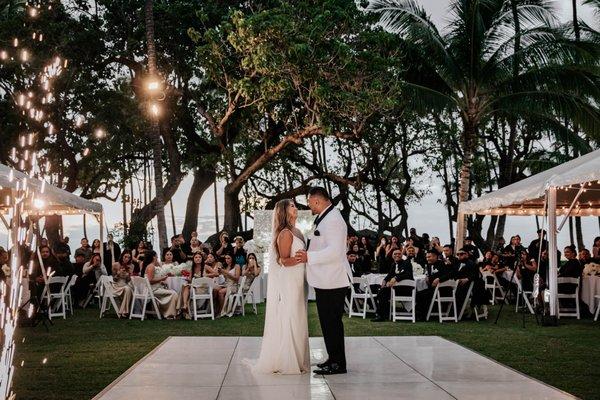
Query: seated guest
[(239, 253), (413, 260), (352, 260), (381, 257), (470, 248), (137, 255), (62, 246), (399, 270), (195, 247), (122, 289), (448, 255), (436, 245), (436, 272), (487, 259), (92, 271), (367, 249), (393, 245), (48, 263), (572, 268), (232, 273), (526, 269), (225, 247), (63, 265), (251, 271), (465, 273), (81, 288), (515, 248), (198, 270), (596, 249), (168, 258), (500, 245), (176, 251), (166, 298), (212, 266), (85, 250), (584, 258)]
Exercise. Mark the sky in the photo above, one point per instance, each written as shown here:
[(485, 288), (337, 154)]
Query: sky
[(428, 215)]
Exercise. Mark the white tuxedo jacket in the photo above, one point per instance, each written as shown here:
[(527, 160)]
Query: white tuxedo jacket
[(327, 266)]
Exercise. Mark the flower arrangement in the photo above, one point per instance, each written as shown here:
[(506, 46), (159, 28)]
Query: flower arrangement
[(175, 269), (592, 269), (417, 268)]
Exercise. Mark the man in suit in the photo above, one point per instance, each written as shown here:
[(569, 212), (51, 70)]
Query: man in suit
[(465, 273), (470, 248), (436, 271), (399, 270), (112, 253), (327, 270), (355, 266)]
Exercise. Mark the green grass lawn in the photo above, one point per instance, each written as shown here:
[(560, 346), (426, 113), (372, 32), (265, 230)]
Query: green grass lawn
[(85, 354)]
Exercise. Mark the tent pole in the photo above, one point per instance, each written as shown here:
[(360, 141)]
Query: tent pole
[(552, 232), (101, 221)]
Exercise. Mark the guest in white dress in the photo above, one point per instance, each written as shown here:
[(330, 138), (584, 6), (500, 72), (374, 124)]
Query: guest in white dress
[(166, 298), (284, 347)]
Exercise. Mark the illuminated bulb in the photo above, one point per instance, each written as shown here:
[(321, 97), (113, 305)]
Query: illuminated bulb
[(41, 37), (39, 203), (154, 109), (100, 133), (78, 121), (15, 42), (21, 100), (65, 64), (30, 94), (28, 105), (30, 139), (33, 12), (45, 360), (51, 129), (24, 55), (57, 61), (153, 85), (86, 151), (34, 35), (3, 55)]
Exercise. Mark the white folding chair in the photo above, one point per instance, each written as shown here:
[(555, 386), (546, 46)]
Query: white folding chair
[(142, 293), (360, 301), (568, 311), (69, 293), (235, 300), (59, 309), (95, 292), (597, 307), (525, 295), (478, 315), (202, 303), (491, 283), (439, 299), (252, 295), (108, 296), (406, 301)]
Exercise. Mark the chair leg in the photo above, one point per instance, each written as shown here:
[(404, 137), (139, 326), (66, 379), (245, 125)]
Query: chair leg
[(597, 311), (431, 304)]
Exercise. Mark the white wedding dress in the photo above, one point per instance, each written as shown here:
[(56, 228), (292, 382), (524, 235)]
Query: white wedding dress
[(284, 347)]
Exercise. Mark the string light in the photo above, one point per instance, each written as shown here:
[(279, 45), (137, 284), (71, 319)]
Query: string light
[(100, 133), (3, 55)]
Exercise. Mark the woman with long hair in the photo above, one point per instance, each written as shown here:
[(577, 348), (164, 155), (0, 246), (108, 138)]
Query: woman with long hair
[(232, 273), (197, 270), (96, 246), (284, 348), (166, 298), (121, 272), (251, 271)]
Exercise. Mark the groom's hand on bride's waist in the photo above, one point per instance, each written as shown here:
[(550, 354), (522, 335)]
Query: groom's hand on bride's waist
[(301, 256)]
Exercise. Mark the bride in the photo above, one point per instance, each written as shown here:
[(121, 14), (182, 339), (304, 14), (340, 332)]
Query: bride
[(285, 339)]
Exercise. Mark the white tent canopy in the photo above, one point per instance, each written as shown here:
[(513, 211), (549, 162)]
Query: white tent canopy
[(572, 188), (54, 200), (527, 196)]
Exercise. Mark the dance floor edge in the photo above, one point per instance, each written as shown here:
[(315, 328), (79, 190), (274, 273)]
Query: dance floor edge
[(390, 367)]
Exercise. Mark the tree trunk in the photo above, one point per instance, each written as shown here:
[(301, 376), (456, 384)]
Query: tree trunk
[(233, 218), (469, 136), (154, 133), (203, 179), (579, 234)]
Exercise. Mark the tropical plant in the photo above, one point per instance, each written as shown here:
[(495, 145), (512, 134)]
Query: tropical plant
[(471, 68)]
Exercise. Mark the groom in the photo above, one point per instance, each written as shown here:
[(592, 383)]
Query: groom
[(327, 271)]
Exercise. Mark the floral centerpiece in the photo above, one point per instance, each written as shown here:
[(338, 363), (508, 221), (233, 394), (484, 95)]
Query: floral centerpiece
[(592, 269), (175, 269), (417, 268)]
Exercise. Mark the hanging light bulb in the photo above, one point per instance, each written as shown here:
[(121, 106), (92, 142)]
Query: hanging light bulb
[(21, 100), (3, 55), (155, 109), (15, 42), (33, 12), (100, 133), (79, 121), (86, 151), (24, 55)]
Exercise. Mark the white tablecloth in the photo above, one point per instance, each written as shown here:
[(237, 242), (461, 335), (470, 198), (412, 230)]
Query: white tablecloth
[(590, 287), (175, 283), (376, 279)]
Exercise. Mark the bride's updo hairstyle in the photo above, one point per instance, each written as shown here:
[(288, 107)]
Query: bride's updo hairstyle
[(283, 220)]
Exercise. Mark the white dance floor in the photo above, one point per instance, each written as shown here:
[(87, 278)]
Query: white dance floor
[(401, 367)]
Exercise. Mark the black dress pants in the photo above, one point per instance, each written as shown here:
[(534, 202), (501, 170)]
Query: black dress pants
[(330, 306)]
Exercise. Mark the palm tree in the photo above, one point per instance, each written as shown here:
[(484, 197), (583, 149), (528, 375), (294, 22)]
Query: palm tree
[(471, 68), (154, 132)]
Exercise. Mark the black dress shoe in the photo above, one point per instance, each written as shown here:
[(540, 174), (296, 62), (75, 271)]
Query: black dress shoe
[(331, 369), (323, 364)]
